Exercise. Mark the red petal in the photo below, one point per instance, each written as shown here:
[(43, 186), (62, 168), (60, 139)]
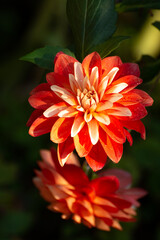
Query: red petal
[(128, 69), (124, 177), (96, 157), (82, 142), (91, 61), (41, 126), (40, 87), (35, 114), (75, 175), (131, 80), (130, 98), (138, 112), (57, 79), (113, 150), (146, 99), (43, 99), (105, 185), (64, 65), (64, 150), (129, 137), (138, 126), (110, 62), (61, 130), (114, 130)]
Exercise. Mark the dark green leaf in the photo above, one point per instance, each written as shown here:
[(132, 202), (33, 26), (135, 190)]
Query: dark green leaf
[(92, 22), (131, 5), (156, 24), (44, 57), (149, 67), (110, 45)]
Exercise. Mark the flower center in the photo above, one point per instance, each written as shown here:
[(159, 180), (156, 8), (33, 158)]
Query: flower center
[(88, 99)]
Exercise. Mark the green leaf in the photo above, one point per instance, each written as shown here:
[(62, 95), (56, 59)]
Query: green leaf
[(92, 23), (131, 5), (149, 67), (156, 24), (110, 45), (44, 57)]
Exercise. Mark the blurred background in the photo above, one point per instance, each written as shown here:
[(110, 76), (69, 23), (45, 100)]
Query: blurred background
[(25, 26)]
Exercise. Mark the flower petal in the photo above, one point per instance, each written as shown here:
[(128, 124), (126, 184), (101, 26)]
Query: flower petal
[(68, 112), (94, 162), (64, 94), (55, 109), (137, 126), (41, 126), (61, 130), (77, 125), (64, 65), (78, 73), (146, 99), (91, 61), (93, 131), (116, 88), (82, 142), (64, 150), (109, 63), (102, 118), (103, 106), (128, 69)]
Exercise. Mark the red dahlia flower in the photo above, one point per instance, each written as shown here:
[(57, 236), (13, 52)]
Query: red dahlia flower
[(100, 203), (89, 107)]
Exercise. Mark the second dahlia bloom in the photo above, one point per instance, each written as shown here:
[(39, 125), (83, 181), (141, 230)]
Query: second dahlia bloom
[(101, 203), (89, 107)]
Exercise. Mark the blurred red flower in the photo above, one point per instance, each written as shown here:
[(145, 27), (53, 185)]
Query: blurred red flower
[(100, 203), (89, 107)]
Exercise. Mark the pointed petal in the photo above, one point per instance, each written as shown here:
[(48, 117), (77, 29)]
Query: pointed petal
[(35, 114), (74, 84), (57, 79), (77, 125), (64, 94), (94, 77), (78, 73), (91, 61), (102, 87), (61, 130), (93, 131), (68, 112), (103, 106), (116, 88), (111, 75), (64, 150), (64, 64), (40, 87), (113, 149), (128, 69), (82, 142), (112, 97), (137, 126), (102, 118), (42, 99), (100, 224), (41, 126), (109, 63), (119, 110), (88, 116), (114, 130), (55, 109), (94, 162), (146, 99)]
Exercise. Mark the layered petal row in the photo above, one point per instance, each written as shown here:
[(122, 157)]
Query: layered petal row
[(102, 203), (89, 106)]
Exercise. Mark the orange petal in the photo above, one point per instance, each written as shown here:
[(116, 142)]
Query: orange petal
[(55, 109), (82, 142), (61, 130), (93, 131), (109, 63), (64, 150), (94, 162), (77, 125)]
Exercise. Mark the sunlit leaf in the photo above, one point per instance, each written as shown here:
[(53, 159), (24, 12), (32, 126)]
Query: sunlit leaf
[(156, 24), (92, 23), (131, 5), (44, 57), (108, 46)]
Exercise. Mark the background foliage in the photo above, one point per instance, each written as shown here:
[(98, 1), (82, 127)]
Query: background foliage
[(30, 25)]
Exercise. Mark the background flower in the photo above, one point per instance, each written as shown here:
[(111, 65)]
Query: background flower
[(100, 203), (90, 107)]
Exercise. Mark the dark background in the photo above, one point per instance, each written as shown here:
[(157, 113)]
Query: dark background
[(25, 26)]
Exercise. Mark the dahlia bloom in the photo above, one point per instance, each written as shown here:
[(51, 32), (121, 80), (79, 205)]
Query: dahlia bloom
[(100, 203), (89, 107)]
